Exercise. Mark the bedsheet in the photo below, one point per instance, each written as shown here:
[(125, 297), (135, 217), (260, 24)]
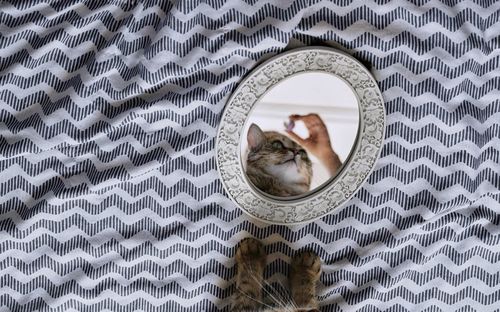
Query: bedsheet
[(110, 198)]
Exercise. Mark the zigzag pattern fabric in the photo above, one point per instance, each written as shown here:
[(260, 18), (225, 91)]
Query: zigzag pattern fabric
[(110, 196)]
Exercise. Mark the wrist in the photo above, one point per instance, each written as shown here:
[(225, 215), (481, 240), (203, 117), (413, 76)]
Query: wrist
[(331, 161)]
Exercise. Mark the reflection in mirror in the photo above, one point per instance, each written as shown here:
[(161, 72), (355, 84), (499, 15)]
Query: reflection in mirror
[(299, 134)]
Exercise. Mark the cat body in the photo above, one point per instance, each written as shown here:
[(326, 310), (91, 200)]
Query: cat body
[(276, 164), (250, 263)]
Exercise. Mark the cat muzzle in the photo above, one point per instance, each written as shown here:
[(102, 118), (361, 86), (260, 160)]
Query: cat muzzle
[(291, 158)]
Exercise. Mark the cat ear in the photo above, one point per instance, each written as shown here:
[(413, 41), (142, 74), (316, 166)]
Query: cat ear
[(256, 138)]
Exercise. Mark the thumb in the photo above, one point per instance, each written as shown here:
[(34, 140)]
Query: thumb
[(298, 139)]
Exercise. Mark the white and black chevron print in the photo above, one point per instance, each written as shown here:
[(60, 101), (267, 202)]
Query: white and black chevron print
[(110, 197)]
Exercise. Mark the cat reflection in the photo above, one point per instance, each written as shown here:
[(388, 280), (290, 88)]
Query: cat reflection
[(276, 164)]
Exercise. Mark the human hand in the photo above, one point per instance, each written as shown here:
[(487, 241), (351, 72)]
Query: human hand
[(318, 143)]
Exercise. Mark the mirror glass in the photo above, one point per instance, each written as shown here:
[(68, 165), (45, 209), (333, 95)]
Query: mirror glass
[(299, 134)]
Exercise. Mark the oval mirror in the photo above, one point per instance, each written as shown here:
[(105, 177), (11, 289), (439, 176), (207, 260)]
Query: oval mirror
[(300, 135)]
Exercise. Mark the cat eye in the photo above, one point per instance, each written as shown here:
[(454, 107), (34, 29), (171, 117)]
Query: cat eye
[(329, 105), (277, 145)]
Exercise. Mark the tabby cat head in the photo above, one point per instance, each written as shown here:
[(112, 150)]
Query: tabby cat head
[(276, 164)]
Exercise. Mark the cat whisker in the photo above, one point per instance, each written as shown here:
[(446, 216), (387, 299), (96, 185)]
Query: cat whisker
[(286, 296), (278, 299), (251, 298), (279, 302), (282, 299), (289, 297), (286, 303)]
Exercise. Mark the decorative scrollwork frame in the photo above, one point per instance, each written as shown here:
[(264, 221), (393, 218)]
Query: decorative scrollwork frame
[(356, 168)]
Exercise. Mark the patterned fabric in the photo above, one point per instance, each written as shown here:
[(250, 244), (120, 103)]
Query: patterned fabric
[(110, 197)]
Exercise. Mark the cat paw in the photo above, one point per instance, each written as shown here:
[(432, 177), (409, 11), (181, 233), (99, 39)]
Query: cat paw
[(304, 274), (307, 261), (251, 251)]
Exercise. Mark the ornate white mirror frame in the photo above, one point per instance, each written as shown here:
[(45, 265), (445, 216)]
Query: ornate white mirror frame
[(356, 168)]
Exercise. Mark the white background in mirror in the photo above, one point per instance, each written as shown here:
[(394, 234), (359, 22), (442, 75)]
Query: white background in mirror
[(312, 92)]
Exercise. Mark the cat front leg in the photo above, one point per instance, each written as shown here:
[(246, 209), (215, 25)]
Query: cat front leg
[(304, 275), (250, 263)]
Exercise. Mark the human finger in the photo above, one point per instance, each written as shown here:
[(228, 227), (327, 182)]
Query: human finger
[(297, 138), (295, 117)]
